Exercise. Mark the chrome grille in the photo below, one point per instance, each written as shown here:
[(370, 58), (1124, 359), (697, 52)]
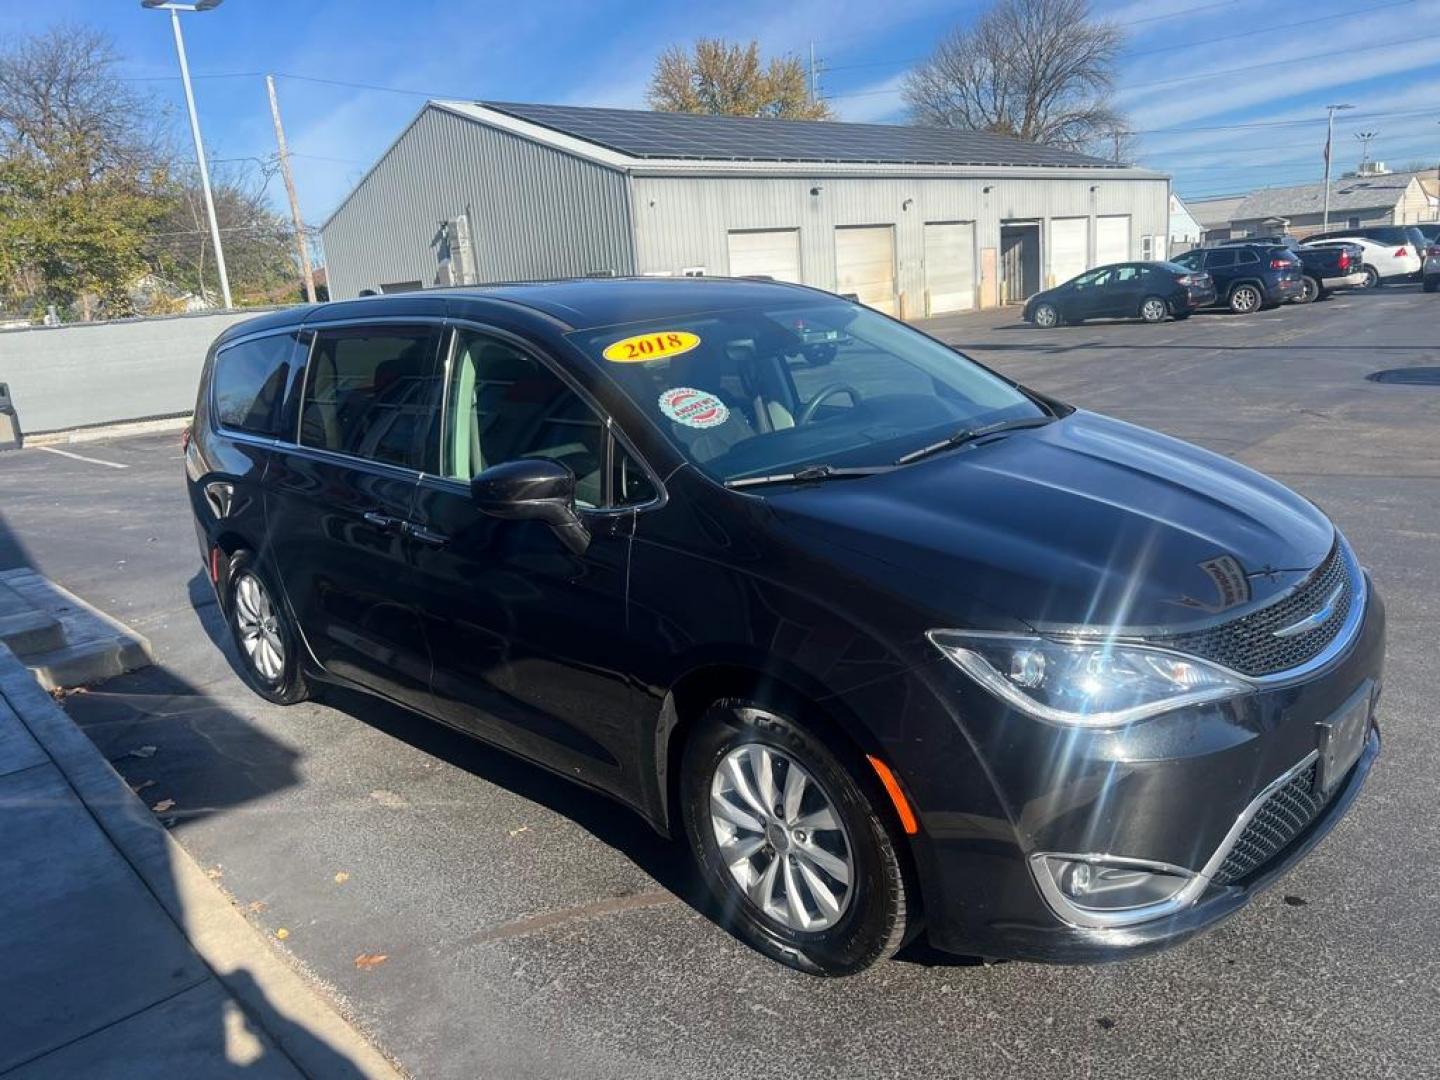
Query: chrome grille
[(1249, 645), (1283, 817)]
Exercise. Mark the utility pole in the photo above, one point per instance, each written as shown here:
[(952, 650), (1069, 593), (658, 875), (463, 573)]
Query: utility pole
[(814, 76), (174, 9), (301, 244), (1330, 111)]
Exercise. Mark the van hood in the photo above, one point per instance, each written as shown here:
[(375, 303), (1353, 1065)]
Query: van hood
[(1086, 522)]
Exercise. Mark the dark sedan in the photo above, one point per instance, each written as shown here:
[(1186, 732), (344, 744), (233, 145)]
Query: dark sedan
[(1152, 291)]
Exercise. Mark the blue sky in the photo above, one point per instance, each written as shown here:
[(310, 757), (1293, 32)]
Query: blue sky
[(1261, 124)]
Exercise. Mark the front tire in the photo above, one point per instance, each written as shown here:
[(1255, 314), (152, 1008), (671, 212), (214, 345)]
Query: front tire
[(263, 634), (1046, 316), (789, 843), (1245, 299), (1431, 284)]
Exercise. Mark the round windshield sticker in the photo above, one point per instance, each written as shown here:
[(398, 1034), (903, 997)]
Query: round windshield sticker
[(643, 347), (693, 408)]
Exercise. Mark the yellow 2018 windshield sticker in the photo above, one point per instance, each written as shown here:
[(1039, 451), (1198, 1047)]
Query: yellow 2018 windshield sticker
[(643, 347)]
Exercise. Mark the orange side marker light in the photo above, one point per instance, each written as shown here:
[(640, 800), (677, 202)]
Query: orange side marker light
[(892, 788)]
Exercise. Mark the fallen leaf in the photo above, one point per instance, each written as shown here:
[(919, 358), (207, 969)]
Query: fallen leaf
[(341, 878), (137, 788), (144, 751), (366, 961), (254, 907), (163, 805), (282, 933), (215, 873), (517, 832)]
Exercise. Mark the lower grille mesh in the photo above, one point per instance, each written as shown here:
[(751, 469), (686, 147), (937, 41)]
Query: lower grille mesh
[(1282, 818)]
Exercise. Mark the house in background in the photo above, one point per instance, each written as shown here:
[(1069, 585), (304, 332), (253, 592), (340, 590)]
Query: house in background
[(1213, 215), (1185, 231), (1377, 198)]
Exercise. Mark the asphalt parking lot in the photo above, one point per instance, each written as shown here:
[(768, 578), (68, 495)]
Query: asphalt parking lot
[(532, 929)]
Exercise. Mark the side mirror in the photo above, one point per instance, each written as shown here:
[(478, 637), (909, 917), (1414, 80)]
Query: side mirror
[(532, 489)]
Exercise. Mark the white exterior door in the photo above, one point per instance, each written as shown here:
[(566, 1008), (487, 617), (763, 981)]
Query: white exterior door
[(865, 264), (772, 253), (1112, 239), (1069, 248), (949, 266)]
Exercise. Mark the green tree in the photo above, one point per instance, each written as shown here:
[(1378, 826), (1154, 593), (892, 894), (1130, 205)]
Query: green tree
[(720, 77), (79, 166)]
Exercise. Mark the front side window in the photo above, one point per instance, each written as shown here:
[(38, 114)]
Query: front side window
[(372, 393), (754, 391), (1094, 279), (506, 404), (250, 381)]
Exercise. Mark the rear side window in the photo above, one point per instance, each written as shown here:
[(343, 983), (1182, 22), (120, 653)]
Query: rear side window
[(1248, 256), (373, 393), (1219, 258), (249, 384)]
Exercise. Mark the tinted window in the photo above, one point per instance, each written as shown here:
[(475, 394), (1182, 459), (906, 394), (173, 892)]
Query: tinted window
[(372, 393), (1191, 260), (1125, 274), (506, 404), (1094, 278), (249, 383), (1219, 258), (1248, 256)]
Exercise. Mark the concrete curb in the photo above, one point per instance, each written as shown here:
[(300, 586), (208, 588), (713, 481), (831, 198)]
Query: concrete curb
[(106, 431), (216, 930)]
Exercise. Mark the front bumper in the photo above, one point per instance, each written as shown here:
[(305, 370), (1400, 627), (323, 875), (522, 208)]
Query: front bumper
[(1167, 790)]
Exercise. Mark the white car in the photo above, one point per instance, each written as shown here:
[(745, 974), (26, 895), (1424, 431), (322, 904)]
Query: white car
[(1392, 253)]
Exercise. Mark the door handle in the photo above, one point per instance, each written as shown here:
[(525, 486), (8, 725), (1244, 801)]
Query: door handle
[(424, 535), (380, 521)]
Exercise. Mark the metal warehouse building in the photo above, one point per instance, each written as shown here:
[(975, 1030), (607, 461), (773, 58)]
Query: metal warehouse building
[(915, 221)]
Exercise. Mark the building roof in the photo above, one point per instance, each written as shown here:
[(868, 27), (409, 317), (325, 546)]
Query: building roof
[(688, 136), (1347, 193), (1213, 211)]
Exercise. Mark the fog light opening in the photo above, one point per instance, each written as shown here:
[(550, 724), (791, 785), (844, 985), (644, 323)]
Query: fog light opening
[(1106, 890)]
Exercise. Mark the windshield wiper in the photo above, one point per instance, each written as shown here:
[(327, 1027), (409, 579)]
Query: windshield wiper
[(809, 472), (965, 435)]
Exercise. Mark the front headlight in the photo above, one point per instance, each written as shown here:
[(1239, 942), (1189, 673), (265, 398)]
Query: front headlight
[(1097, 684)]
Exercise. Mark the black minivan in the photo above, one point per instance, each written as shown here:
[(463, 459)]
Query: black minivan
[(894, 643)]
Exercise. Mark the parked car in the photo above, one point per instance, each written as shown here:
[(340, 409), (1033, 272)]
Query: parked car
[(1152, 291), (1391, 252), (1430, 230), (1248, 277), (894, 643), (1325, 268), (1430, 274)]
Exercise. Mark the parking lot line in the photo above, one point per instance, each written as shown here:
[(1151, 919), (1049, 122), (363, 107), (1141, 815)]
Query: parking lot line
[(82, 457)]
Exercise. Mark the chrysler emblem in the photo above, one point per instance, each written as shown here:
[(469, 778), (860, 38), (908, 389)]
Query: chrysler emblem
[(1318, 618)]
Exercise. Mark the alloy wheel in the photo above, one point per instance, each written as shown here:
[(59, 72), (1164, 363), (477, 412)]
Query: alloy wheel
[(1046, 316), (259, 628), (781, 838), (1245, 299), (1153, 310)]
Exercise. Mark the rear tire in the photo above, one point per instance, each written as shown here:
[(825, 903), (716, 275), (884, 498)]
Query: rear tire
[(1153, 309), (1310, 291), (1431, 284), (1245, 299), (264, 637), (1372, 278), (738, 767)]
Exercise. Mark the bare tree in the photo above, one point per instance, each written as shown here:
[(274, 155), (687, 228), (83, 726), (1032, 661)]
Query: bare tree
[(1039, 70), (727, 78)]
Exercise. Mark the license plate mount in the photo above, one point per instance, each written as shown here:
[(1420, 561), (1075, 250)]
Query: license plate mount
[(1341, 737)]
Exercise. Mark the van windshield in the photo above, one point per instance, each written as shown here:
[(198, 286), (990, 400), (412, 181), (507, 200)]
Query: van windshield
[(755, 391)]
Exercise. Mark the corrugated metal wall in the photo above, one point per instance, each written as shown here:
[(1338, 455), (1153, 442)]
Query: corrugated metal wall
[(683, 221), (533, 211)]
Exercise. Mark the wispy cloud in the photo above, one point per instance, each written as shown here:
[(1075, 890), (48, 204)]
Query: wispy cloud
[(876, 102)]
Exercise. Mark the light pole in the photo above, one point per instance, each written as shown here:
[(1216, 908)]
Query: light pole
[(1330, 111), (175, 9)]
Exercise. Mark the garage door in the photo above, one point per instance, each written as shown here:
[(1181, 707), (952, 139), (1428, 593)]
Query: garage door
[(1112, 239), (949, 266), (773, 253), (865, 264), (1069, 248)]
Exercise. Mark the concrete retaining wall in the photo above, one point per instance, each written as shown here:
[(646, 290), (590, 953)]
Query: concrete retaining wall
[(98, 373)]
